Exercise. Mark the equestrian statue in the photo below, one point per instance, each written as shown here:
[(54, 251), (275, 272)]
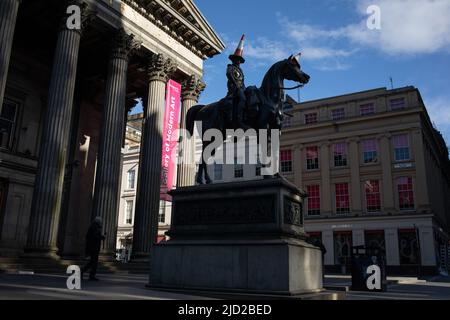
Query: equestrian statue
[(246, 107)]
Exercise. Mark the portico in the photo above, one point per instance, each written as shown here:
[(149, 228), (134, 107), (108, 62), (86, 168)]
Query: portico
[(70, 91)]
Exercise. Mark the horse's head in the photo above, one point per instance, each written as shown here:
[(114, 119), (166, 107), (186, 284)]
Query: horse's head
[(293, 71)]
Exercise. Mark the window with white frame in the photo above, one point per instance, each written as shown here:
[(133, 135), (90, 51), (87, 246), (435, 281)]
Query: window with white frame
[(162, 212), (131, 179), (398, 104), (286, 161), (129, 211), (338, 114), (401, 147)]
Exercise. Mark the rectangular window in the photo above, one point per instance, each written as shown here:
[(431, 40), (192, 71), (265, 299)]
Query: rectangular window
[(311, 118), (342, 198), (218, 171), (401, 147), (312, 158), (370, 150), (340, 154), (408, 247), (313, 200), (238, 169), (405, 193), (129, 212), (287, 122), (367, 109), (162, 212), (8, 119), (286, 161), (398, 104), (338, 114), (131, 179), (373, 199)]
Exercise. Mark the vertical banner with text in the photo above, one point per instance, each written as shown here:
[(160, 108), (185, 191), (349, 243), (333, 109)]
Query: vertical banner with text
[(169, 140)]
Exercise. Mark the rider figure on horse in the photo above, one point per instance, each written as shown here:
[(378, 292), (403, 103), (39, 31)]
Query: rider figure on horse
[(236, 87)]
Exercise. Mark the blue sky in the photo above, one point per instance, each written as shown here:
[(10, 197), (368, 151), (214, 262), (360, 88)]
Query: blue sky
[(339, 52)]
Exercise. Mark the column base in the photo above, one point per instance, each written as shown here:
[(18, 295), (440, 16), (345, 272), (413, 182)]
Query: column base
[(41, 253), (107, 256), (140, 257)]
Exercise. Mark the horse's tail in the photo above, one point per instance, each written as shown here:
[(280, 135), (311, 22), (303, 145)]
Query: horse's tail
[(190, 118)]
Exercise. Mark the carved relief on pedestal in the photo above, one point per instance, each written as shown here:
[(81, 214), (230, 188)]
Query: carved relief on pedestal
[(225, 211), (293, 212)]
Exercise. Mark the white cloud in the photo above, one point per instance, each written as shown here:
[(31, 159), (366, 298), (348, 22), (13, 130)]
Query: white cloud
[(265, 49), (317, 53), (407, 26), (439, 111)]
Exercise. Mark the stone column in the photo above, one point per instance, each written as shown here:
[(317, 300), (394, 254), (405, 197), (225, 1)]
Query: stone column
[(386, 165), (191, 90), (420, 186), (354, 176), (107, 178), (8, 16), (326, 197), (298, 166), (46, 205), (145, 228)]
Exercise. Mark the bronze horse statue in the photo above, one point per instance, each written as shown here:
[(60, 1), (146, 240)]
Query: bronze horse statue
[(263, 110)]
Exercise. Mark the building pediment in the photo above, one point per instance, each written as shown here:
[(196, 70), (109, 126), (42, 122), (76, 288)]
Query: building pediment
[(183, 21)]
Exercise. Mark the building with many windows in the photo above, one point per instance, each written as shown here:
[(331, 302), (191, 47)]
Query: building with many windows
[(376, 172), (128, 191), (68, 77)]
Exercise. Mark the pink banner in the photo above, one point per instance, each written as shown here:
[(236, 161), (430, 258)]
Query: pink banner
[(169, 143)]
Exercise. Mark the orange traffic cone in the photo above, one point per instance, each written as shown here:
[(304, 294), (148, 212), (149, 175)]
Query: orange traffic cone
[(239, 53)]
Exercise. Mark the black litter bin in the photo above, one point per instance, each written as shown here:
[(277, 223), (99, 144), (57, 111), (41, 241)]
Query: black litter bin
[(368, 268)]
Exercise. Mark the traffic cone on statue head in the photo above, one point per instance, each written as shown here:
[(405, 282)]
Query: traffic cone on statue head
[(239, 53)]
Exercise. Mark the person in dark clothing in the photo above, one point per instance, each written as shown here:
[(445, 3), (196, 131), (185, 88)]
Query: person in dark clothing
[(94, 239), (236, 86)]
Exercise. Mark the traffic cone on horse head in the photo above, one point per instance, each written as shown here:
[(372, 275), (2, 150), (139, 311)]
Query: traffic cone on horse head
[(239, 53)]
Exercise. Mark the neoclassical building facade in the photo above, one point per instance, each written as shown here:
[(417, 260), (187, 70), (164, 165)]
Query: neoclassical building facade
[(65, 93)]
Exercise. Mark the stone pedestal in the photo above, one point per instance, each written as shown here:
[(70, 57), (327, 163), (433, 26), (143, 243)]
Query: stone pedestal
[(245, 237)]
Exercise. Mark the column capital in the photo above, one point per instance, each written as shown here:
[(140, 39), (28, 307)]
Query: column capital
[(160, 68), (124, 45), (192, 87), (87, 15)]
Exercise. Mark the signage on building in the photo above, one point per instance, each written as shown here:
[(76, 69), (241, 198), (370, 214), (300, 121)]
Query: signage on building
[(403, 165), (170, 137)]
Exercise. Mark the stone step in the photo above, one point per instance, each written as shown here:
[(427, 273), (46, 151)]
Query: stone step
[(60, 266)]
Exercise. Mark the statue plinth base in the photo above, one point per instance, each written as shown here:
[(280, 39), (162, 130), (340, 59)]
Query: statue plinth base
[(243, 237)]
